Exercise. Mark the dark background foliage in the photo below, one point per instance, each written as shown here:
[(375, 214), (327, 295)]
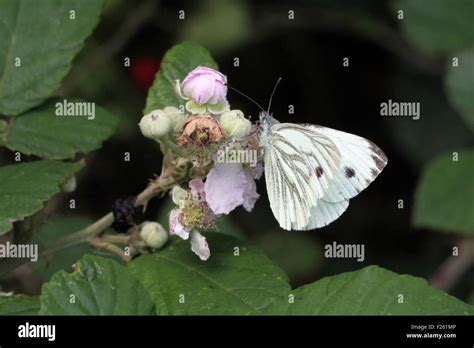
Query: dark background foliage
[(307, 53)]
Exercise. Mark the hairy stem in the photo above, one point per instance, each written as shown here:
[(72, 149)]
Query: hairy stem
[(93, 233)]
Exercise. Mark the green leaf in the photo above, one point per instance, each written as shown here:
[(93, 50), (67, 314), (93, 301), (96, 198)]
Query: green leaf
[(371, 291), (25, 187), (224, 284), (458, 82), (437, 26), (176, 64), (101, 287), (444, 198), (181, 284), (19, 305), (44, 37), (212, 14), (298, 254), (49, 234), (438, 120), (41, 132)]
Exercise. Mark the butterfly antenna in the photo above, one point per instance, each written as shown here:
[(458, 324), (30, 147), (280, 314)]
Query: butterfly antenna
[(273, 92), (246, 96)]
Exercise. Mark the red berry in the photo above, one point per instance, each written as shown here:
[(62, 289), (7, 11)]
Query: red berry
[(143, 70)]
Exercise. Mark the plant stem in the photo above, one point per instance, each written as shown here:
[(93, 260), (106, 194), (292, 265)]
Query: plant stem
[(454, 266), (93, 233), (101, 244), (117, 238)]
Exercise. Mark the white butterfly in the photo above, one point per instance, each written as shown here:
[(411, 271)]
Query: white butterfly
[(311, 171)]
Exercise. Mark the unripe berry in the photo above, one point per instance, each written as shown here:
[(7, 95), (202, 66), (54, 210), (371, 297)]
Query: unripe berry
[(153, 234)]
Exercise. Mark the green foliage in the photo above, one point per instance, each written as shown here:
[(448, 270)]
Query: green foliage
[(217, 14), (445, 195), (238, 279), (46, 40), (414, 138), (459, 82), (176, 282), (251, 284), (297, 254), (371, 291), (49, 234), (225, 284), (25, 187), (19, 305), (40, 132), (437, 26), (101, 287), (176, 64)]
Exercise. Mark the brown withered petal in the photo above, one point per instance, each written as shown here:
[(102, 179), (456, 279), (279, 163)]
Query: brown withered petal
[(201, 130)]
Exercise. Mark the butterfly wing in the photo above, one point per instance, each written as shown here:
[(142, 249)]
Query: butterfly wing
[(327, 210), (300, 164), (361, 162)]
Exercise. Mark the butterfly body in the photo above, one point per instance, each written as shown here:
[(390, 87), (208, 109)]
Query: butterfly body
[(311, 171)]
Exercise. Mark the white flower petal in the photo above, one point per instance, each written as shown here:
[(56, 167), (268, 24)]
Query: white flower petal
[(199, 245), (176, 227)]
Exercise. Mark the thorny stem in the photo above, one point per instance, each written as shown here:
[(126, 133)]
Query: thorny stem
[(176, 173), (95, 231)]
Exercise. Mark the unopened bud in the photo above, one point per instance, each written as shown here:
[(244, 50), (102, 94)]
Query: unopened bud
[(153, 234), (177, 118), (155, 125), (235, 123)]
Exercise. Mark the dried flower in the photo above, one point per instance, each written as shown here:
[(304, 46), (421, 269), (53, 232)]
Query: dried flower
[(124, 213), (201, 131)]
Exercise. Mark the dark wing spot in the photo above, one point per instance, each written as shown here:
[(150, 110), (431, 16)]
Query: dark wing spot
[(374, 173), (349, 172), (319, 172)]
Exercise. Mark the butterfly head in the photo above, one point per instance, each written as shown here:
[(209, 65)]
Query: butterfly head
[(267, 120), (266, 123)]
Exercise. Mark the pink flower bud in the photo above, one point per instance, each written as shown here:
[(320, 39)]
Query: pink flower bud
[(205, 86)]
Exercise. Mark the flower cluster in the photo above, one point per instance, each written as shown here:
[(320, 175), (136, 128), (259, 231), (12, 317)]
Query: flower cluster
[(218, 141)]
